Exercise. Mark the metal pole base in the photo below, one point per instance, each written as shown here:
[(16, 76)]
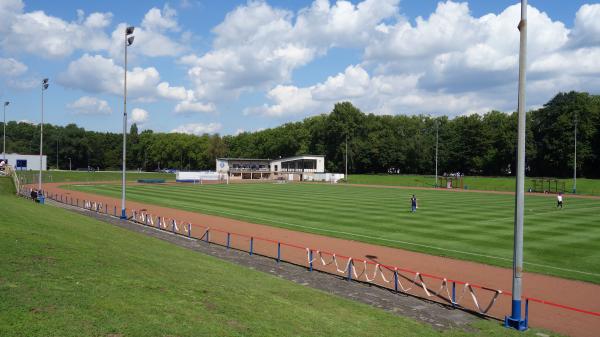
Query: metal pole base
[(515, 321), (123, 214), (574, 191), (517, 324)]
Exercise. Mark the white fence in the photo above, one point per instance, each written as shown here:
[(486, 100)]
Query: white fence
[(326, 177), (198, 176)]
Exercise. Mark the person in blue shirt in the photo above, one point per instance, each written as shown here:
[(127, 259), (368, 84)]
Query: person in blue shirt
[(413, 204)]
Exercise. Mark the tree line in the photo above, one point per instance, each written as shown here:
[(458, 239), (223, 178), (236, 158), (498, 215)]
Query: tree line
[(471, 144)]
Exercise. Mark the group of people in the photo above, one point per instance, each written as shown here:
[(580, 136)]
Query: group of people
[(414, 205), (34, 194)]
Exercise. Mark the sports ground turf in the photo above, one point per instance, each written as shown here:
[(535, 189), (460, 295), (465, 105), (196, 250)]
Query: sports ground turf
[(64, 274), (584, 186), (470, 226), (85, 176)]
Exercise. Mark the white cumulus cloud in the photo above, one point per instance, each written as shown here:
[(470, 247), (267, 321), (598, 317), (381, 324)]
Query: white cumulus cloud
[(49, 36), (194, 107), (258, 46), (97, 74), (449, 62), (165, 90), (10, 67), (197, 128), (160, 20), (139, 116), (87, 105)]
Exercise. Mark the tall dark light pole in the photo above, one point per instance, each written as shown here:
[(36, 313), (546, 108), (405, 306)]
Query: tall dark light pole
[(346, 160), (4, 133), (44, 88), (128, 42), (516, 320), (575, 158), (437, 127)]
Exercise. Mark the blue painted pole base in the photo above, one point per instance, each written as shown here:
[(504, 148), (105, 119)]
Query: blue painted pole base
[(515, 320), (123, 214), (517, 324)]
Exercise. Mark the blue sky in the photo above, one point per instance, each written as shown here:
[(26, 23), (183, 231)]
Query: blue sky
[(233, 66)]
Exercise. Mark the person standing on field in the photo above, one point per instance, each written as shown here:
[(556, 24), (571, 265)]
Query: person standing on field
[(559, 200), (413, 204)]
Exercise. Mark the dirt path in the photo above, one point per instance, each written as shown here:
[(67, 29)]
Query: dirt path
[(567, 292)]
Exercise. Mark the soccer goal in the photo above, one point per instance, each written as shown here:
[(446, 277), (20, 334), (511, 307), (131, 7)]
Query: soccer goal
[(547, 185), (451, 182)]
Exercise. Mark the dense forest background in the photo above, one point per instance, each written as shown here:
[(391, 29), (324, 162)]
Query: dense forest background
[(473, 144)]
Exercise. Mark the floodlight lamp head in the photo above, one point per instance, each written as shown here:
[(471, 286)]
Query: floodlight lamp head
[(129, 30), (44, 81), (45, 86), (6, 103), (130, 40)]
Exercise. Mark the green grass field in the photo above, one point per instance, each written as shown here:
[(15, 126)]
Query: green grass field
[(64, 274), (470, 226), (584, 186), (84, 176)]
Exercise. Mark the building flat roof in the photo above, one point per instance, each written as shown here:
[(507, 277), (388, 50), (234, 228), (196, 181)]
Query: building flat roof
[(278, 159), (21, 154), (244, 159), (300, 157)]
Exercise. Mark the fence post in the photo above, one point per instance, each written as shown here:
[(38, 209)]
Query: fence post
[(77, 202), (189, 230), (310, 255), (228, 239), (350, 266), (207, 235), (396, 280), (278, 252), (251, 245), (173, 225), (453, 294), (115, 211), (526, 311)]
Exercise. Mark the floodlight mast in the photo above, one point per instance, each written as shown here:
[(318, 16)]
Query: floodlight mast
[(44, 88), (346, 160), (575, 157), (516, 320), (437, 127), (4, 133), (128, 42)]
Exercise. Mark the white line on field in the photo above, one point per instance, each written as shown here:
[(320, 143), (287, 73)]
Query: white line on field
[(397, 241)]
